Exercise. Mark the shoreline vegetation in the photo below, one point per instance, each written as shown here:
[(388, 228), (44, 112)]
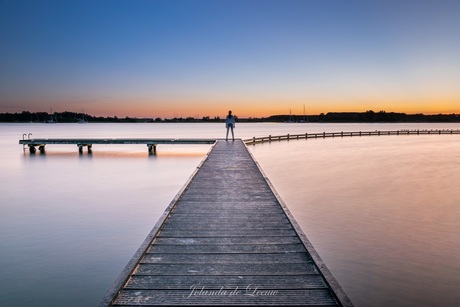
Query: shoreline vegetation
[(331, 117)]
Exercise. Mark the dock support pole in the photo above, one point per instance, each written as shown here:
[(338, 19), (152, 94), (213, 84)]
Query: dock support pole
[(89, 146), (42, 149), (152, 149), (32, 149)]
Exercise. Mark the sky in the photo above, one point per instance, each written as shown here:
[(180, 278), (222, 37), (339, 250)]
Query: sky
[(148, 58)]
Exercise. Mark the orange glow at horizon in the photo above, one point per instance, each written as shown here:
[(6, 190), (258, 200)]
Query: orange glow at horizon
[(260, 109), (256, 106)]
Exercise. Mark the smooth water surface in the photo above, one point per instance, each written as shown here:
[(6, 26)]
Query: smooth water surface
[(383, 212)]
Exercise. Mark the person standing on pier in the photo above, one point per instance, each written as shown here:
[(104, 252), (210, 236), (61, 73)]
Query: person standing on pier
[(230, 124)]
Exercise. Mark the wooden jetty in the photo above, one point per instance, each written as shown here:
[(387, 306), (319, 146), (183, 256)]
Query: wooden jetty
[(226, 239), (88, 142), (32, 144), (287, 137)]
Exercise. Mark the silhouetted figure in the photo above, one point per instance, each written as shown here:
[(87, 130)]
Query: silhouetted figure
[(230, 124)]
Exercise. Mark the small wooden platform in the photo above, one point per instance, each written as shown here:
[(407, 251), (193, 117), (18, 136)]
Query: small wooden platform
[(226, 239), (89, 142)]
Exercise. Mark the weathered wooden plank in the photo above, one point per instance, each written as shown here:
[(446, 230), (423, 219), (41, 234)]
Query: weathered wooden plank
[(254, 187), (225, 207), (171, 232), (228, 224), (252, 217), (227, 248), (226, 269), (230, 217), (224, 198), (249, 296), (247, 216), (229, 204), (306, 281), (219, 210), (273, 258), (227, 227), (227, 240)]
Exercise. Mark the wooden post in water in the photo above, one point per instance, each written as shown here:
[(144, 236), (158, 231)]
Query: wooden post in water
[(152, 149), (88, 146)]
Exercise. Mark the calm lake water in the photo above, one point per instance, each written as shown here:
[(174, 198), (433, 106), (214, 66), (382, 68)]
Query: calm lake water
[(382, 212)]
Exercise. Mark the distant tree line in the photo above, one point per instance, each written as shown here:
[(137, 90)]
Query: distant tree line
[(66, 117), (332, 117), (366, 117)]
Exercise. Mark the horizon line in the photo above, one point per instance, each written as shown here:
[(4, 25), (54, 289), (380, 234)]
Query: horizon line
[(245, 117)]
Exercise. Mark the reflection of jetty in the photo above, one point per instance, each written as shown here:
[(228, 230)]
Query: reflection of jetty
[(151, 143), (288, 137), (226, 239)]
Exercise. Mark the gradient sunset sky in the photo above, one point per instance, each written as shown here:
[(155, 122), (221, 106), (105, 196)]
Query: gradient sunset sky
[(201, 58)]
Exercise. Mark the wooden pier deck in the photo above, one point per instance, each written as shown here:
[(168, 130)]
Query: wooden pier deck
[(226, 239)]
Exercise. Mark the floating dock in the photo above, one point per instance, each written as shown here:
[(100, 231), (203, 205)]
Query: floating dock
[(88, 142), (226, 239)]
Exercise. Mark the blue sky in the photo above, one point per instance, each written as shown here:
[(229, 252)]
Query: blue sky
[(160, 58)]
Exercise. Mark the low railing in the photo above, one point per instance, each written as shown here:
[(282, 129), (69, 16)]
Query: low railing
[(287, 137)]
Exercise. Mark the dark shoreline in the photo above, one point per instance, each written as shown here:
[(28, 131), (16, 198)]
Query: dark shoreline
[(331, 117)]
